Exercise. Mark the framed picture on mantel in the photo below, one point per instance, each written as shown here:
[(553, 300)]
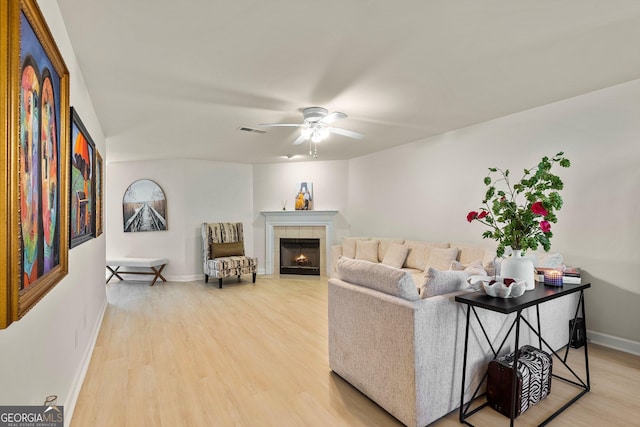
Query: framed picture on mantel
[(304, 197)]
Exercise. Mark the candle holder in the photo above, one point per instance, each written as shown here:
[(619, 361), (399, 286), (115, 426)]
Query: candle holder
[(553, 278)]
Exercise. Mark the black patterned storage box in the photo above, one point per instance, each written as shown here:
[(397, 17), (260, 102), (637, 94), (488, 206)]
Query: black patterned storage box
[(533, 382)]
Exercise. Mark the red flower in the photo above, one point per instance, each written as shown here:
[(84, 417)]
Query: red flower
[(472, 215), (482, 214), (538, 209), (545, 226)]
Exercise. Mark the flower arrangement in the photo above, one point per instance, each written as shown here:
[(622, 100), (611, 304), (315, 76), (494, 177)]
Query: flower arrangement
[(520, 215)]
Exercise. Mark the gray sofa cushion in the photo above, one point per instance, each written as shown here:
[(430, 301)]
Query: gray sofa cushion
[(443, 282), (377, 276)]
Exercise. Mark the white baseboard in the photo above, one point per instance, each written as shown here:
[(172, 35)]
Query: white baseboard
[(186, 278), (615, 343), (76, 385), (174, 278)]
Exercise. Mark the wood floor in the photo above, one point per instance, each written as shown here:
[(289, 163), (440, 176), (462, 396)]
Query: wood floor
[(190, 354)]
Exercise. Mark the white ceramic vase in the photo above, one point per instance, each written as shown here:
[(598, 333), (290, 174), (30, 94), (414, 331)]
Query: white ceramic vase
[(519, 268)]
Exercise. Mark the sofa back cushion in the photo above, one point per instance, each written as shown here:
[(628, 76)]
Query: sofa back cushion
[(472, 253), (376, 276)]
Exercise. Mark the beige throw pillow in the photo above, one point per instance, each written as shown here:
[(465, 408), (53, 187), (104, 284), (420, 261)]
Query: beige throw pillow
[(441, 258), (219, 250), (472, 268), (395, 256), (367, 250)]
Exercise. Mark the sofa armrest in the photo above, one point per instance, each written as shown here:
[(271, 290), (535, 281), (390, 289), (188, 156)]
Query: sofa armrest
[(407, 355), (336, 252)]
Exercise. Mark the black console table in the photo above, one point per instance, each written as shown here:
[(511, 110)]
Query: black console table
[(533, 298)]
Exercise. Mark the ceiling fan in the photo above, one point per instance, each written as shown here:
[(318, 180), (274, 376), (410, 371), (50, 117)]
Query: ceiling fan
[(316, 125)]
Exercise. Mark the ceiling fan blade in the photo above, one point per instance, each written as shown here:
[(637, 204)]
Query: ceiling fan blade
[(332, 117), (345, 132), (300, 140), (295, 125)]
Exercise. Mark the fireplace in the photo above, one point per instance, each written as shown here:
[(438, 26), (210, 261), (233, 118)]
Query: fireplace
[(297, 224), (300, 256)]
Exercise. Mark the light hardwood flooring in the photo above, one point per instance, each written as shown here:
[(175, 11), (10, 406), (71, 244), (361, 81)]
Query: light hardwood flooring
[(190, 354)]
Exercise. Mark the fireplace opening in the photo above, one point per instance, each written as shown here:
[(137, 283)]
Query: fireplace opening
[(300, 256)]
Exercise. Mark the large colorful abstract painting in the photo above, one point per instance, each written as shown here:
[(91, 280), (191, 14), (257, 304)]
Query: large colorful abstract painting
[(82, 190), (34, 112)]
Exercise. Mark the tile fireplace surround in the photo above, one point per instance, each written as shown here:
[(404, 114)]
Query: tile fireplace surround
[(317, 224)]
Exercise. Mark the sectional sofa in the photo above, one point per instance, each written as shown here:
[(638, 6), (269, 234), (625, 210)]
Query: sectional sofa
[(397, 334)]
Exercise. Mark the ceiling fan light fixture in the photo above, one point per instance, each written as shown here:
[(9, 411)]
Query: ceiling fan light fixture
[(317, 136)]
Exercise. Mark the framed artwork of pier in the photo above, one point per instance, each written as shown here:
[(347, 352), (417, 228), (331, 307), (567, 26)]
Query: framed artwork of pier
[(34, 111), (144, 207), (82, 219)]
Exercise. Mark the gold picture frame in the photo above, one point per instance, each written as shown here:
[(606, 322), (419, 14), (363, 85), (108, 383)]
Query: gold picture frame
[(99, 194), (34, 159)]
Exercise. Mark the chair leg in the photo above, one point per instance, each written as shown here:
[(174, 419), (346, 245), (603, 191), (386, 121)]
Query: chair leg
[(254, 277), (206, 278), (220, 283)]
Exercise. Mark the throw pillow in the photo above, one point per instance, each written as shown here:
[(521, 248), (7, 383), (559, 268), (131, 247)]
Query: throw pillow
[(349, 246), (384, 245), (416, 254), (377, 276), (441, 258), (219, 250), (395, 255), (367, 250), (472, 268), (443, 282), (470, 253)]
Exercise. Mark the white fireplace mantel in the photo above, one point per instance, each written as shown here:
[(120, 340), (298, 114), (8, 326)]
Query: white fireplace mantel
[(296, 218)]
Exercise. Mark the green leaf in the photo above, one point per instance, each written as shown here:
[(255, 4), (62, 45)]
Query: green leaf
[(487, 180)]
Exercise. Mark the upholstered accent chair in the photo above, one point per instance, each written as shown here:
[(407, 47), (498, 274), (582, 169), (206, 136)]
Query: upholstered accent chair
[(223, 252)]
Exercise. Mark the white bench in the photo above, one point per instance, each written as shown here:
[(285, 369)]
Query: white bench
[(156, 265)]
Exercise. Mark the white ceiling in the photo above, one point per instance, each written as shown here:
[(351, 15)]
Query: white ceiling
[(176, 79)]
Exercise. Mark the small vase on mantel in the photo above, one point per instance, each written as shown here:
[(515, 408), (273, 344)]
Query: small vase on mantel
[(518, 267)]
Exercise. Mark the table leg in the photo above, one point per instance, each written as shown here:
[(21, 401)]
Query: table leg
[(114, 273), (464, 366), (514, 378), (158, 274)]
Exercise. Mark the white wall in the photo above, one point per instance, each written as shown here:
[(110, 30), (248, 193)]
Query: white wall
[(425, 189), (46, 351), (274, 184), (196, 191)]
